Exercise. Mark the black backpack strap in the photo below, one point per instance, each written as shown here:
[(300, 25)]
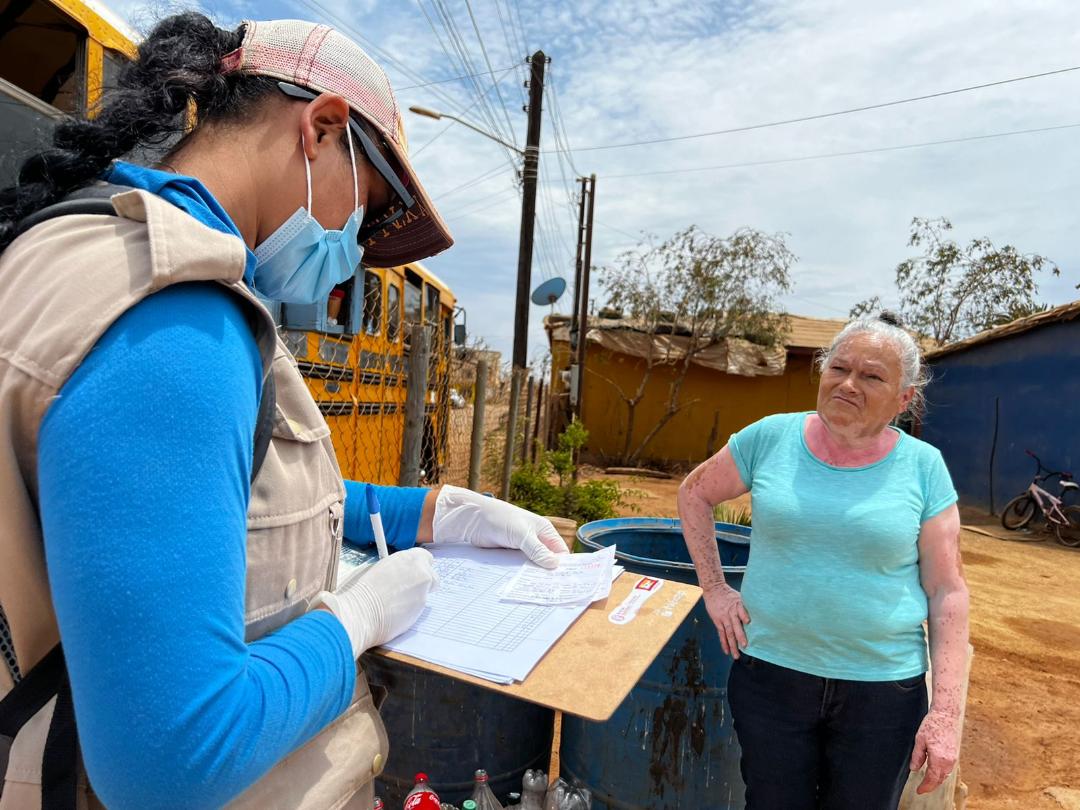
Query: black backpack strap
[(94, 199), (97, 199), (264, 424), (60, 761), (59, 764)]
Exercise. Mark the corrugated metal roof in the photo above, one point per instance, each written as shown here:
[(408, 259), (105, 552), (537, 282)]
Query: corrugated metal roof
[(1066, 312), (804, 333)]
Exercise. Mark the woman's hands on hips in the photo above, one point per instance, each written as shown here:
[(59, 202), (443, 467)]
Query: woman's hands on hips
[(938, 745), (728, 613), (464, 516)]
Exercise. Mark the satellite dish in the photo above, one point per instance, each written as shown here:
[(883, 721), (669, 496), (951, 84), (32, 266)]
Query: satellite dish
[(550, 291)]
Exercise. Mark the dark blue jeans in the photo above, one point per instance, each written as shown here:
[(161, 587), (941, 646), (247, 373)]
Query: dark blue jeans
[(811, 743)]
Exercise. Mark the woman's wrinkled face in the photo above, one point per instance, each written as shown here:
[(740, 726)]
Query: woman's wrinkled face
[(861, 387)]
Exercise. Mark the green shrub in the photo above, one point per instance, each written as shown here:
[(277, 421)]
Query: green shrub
[(531, 486)]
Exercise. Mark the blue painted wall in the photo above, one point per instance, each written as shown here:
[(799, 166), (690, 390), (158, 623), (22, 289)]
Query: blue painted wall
[(1035, 377)]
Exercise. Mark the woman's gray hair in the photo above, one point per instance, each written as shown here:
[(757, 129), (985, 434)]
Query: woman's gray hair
[(889, 327)]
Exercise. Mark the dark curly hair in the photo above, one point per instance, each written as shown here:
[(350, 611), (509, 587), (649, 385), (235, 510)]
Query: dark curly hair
[(171, 89)]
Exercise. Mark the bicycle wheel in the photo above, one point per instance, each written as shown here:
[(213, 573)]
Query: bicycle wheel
[(1018, 512), (1069, 534)]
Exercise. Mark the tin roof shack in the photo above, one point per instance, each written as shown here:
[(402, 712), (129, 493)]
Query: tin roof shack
[(727, 387), (1012, 388)]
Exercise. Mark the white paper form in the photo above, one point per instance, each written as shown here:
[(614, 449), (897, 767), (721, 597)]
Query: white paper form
[(465, 625), (580, 578)]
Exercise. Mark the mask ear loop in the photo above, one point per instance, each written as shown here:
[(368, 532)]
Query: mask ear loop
[(355, 181), (307, 170)]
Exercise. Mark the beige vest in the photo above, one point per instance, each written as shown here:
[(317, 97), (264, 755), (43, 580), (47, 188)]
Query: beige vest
[(62, 285)]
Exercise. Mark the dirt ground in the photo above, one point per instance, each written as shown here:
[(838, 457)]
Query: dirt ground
[(1021, 747)]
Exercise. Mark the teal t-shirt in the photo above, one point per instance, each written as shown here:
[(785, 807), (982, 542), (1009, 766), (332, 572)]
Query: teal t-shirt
[(832, 583)]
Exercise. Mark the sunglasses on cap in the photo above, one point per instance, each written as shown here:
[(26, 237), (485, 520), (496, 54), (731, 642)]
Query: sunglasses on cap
[(376, 158)]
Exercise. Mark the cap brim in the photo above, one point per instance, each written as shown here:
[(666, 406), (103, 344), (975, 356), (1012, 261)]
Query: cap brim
[(418, 234)]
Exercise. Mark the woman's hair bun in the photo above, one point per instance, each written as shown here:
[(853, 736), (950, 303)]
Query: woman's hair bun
[(891, 318)]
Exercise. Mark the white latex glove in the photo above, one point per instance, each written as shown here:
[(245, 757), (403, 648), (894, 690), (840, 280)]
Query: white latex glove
[(464, 516), (380, 603)]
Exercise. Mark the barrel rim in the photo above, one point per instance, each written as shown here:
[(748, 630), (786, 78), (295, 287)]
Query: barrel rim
[(729, 532)]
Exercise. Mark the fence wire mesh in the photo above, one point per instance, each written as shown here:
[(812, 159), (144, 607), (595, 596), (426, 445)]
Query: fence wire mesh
[(360, 384)]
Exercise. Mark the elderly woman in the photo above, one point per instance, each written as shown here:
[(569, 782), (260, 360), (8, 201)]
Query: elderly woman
[(855, 545)]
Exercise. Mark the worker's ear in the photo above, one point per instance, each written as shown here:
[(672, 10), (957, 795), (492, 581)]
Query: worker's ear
[(323, 122)]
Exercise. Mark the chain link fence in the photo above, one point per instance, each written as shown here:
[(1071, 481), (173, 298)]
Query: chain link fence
[(388, 430)]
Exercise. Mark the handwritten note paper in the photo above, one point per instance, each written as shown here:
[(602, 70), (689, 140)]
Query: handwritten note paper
[(579, 579)]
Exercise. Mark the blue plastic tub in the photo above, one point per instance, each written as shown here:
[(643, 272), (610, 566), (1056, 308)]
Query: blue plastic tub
[(671, 743)]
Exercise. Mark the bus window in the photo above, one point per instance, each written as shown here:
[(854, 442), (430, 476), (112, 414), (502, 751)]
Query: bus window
[(448, 326), (372, 303), (110, 69), (393, 313), (412, 301), (431, 305), (43, 52)]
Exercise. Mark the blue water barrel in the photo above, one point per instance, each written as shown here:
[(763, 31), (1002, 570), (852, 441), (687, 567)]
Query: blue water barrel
[(671, 743), (448, 729)]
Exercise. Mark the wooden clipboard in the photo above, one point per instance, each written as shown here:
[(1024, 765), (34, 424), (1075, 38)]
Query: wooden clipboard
[(593, 667)]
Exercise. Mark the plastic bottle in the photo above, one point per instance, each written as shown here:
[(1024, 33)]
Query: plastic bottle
[(557, 795), (579, 798), (378, 804), (533, 785), (422, 797), (482, 795)]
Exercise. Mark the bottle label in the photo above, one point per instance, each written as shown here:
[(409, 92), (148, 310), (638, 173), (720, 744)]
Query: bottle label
[(422, 801)]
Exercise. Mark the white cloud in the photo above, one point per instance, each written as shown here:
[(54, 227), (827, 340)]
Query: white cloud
[(638, 70)]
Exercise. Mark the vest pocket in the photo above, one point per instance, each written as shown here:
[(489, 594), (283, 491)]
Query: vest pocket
[(296, 511)]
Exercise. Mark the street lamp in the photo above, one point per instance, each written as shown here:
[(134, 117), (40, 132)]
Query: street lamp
[(531, 155), (438, 116)]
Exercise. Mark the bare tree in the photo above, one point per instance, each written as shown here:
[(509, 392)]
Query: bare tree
[(700, 289), (951, 291)]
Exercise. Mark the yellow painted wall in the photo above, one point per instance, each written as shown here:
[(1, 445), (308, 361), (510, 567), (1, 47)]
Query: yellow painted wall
[(739, 401)]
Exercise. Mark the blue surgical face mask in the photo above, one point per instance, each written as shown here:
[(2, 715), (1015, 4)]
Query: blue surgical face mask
[(301, 262)]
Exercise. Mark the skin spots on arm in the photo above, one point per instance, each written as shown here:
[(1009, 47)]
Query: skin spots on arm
[(941, 572), (713, 482)]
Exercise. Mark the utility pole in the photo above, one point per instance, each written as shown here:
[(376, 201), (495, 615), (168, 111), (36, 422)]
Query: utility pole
[(538, 61), (583, 302), (577, 266)]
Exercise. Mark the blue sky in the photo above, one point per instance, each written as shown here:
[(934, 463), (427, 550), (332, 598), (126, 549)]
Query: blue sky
[(629, 71)]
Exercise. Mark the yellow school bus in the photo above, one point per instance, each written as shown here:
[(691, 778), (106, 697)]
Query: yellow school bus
[(57, 57), (356, 367)]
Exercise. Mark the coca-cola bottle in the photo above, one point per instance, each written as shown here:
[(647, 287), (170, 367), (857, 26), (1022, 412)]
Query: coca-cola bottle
[(422, 797), (482, 794)]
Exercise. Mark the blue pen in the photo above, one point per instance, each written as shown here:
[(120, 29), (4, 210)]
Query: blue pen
[(376, 521)]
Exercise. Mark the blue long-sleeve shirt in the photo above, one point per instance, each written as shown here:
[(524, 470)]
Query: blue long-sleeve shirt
[(144, 470)]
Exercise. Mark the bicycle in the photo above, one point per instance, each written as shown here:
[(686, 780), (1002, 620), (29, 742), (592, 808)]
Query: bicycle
[(1065, 520)]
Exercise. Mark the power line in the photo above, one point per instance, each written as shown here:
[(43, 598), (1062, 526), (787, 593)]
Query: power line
[(511, 43), (498, 92), (602, 224), (489, 203), (458, 113), (458, 43), (844, 154), (455, 78), (480, 178), (820, 116)]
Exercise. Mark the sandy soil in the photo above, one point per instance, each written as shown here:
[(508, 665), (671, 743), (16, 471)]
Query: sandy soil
[(1021, 748)]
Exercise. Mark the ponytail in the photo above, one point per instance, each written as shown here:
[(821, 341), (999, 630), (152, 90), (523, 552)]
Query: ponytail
[(176, 72)]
